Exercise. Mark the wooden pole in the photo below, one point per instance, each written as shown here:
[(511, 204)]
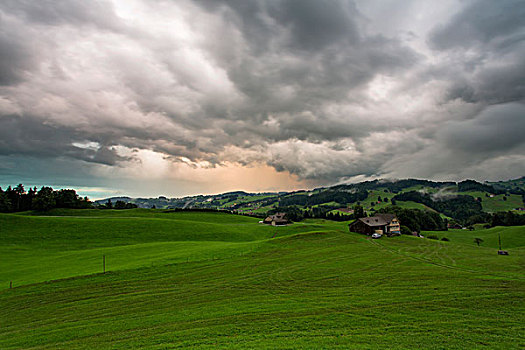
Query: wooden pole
[(104, 263), (10, 284), (499, 241)]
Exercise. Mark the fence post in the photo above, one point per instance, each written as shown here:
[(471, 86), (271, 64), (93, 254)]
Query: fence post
[(10, 284)]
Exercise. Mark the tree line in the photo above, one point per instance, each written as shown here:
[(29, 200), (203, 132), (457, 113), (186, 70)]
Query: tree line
[(459, 207), (15, 199), (330, 195)]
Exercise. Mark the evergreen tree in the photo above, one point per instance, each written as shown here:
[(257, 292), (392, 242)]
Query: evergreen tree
[(45, 199), (5, 203), (359, 211)]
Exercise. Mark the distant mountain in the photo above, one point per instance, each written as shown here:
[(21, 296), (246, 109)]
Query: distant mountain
[(450, 199)]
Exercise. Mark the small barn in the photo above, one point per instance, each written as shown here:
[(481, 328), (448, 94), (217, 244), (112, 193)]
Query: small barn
[(387, 224), (277, 219)]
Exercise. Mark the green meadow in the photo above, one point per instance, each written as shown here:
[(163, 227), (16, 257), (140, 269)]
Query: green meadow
[(214, 280), (498, 202)]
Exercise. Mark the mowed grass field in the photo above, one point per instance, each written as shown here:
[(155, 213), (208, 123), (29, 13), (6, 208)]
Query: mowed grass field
[(207, 280), (66, 243)]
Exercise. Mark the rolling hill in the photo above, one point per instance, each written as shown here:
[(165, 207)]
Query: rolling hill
[(372, 195), (215, 280)]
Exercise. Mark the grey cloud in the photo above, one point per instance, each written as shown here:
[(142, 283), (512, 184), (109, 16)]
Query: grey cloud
[(58, 12), (316, 24), (20, 136), (488, 146), (492, 83), (480, 23), (333, 57), (498, 129), (16, 55), (300, 85), (485, 46), (23, 43)]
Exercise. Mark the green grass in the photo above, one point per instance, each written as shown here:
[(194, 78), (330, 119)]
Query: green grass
[(511, 236), (225, 203), (497, 203), (207, 280), (74, 244)]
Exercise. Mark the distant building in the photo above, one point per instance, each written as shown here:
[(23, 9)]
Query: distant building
[(387, 224), (276, 219), (346, 210), (454, 226)]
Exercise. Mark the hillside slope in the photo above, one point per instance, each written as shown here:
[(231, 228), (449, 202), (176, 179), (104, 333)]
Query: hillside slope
[(41, 248), (322, 288), (372, 195)]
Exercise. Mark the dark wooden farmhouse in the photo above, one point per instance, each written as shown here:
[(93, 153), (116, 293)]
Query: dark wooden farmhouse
[(276, 219), (387, 224)]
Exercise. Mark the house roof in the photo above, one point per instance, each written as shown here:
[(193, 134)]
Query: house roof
[(277, 217), (378, 220), (387, 217)]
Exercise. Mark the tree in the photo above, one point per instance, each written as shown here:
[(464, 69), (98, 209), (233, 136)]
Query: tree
[(5, 203), (27, 199), (359, 211), (405, 230), (120, 205), (18, 192), (45, 199), (478, 241), (67, 199)]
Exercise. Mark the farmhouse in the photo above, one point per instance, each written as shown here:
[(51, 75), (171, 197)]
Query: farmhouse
[(381, 223), (276, 219)]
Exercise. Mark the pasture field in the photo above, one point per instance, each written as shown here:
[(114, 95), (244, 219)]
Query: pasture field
[(496, 203), (40, 248), (208, 280), (511, 236)]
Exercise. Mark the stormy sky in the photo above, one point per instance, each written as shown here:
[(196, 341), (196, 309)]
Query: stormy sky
[(151, 97)]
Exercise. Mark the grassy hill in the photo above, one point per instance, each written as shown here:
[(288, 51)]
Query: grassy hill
[(511, 236), (499, 202), (74, 243), (372, 195), (211, 280)]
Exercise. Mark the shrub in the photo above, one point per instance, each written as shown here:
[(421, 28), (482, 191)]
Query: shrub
[(405, 230)]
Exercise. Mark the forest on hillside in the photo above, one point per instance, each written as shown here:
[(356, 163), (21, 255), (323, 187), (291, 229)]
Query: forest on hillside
[(442, 203)]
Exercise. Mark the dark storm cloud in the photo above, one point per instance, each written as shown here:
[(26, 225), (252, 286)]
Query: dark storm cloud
[(497, 129), (487, 39), (314, 56), (315, 25), (16, 55), (486, 22), (25, 137), (306, 86)]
